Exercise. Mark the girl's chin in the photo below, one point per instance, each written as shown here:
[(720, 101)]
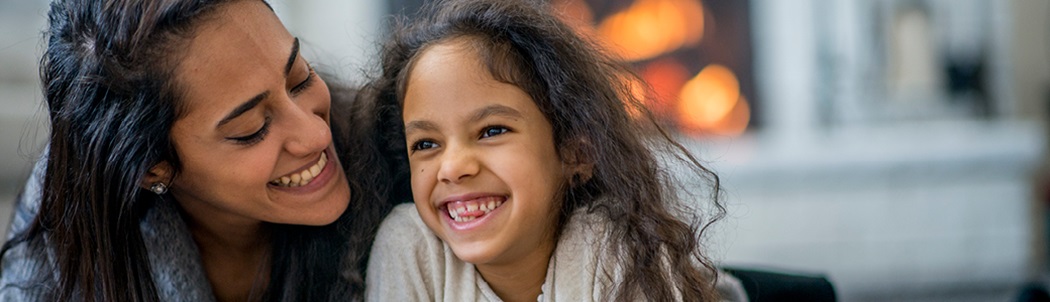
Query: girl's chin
[(473, 254)]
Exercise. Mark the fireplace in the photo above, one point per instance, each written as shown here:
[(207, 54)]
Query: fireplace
[(695, 54)]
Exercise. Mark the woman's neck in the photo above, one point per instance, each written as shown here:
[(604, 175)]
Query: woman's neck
[(234, 253), (520, 280)]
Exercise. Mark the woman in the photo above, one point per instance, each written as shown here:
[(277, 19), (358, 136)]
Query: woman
[(191, 158)]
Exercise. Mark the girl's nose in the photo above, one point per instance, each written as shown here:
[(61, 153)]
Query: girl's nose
[(457, 165)]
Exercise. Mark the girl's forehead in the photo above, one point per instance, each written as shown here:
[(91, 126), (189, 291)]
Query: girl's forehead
[(445, 61), (446, 78)]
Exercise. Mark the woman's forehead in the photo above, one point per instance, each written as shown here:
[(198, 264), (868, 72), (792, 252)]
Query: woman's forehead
[(233, 57)]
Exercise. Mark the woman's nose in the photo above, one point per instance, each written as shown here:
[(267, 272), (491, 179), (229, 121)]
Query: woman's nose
[(308, 130)]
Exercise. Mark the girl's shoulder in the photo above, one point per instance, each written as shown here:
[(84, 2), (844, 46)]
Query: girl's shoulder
[(407, 261), (585, 256), (587, 227), (403, 227)]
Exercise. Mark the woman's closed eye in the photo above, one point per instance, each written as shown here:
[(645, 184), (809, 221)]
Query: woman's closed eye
[(302, 86), (491, 131), (255, 137)]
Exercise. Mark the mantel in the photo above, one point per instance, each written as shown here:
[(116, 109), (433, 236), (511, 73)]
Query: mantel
[(901, 151)]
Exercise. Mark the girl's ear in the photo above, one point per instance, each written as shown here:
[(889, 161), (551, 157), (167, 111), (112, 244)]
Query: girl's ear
[(161, 172), (577, 161)]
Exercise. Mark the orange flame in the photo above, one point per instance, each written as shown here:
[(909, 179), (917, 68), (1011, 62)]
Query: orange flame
[(711, 101), (734, 123), (649, 28)]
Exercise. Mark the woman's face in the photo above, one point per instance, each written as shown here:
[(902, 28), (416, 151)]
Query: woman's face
[(253, 134)]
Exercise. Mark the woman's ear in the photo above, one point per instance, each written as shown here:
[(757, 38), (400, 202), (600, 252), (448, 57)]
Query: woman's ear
[(161, 172), (577, 161)]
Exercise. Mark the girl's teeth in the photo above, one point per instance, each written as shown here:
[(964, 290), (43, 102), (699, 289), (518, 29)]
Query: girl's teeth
[(457, 212)]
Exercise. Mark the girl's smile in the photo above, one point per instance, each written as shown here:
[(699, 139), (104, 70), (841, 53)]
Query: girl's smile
[(469, 207), (486, 175)]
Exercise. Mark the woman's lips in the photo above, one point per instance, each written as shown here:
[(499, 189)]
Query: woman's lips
[(303, 176), (319, 179)]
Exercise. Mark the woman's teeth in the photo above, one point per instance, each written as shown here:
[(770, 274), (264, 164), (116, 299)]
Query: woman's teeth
[(302, 178), (463, 211)]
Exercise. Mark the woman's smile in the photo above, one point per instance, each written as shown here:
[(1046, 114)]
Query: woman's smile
[(304, 176)]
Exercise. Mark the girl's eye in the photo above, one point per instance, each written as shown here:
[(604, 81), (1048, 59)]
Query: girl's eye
[(493, 131), (305, 83), (423, 145), (253, 138)]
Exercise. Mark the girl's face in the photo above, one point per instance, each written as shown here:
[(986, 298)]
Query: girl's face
[(485, 172), (253, 134)]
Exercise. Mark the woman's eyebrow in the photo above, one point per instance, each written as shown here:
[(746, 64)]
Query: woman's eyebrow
[(292, 57), (243, 108), (254, 101)]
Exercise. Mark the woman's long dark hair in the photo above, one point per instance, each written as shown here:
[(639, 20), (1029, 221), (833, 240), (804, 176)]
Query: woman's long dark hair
[(585, 94), (107, 75)]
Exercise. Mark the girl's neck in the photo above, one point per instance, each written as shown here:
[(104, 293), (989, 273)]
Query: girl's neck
[(520, 280)]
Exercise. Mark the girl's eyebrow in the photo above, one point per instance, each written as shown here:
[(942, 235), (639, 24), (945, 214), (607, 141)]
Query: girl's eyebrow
[(494, 109), (480, 114), (419, 126)]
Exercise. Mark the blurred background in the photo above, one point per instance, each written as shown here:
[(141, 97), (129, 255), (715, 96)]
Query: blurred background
[(899, 147)]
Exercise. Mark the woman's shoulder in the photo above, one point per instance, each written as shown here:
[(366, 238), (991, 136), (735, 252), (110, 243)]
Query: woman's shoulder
[(27, 204), (24, 273)]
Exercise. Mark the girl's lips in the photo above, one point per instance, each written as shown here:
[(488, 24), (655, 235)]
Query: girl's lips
[(467, 197), (466, 212), (319, 181)]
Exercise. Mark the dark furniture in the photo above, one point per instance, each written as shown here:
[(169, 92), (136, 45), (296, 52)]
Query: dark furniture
[(764, 285)]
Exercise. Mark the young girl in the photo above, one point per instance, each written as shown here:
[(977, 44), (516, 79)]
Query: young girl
[(530, 179)]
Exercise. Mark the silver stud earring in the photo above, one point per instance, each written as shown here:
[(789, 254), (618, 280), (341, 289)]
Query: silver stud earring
[(159, 188)]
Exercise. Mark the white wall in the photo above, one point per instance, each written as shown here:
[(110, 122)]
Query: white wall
[(886, 209), (21, 116), (340, 35)]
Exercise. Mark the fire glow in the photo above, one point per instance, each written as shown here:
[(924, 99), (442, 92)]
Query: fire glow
[(709, 102)]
